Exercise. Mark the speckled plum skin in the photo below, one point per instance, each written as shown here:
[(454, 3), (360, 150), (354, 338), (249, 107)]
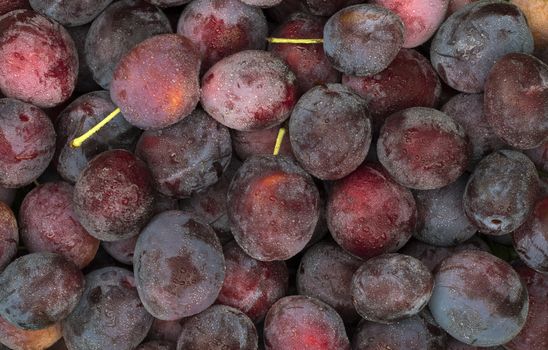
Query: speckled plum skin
[(478, 299), (116, 31), (273, 207), (211, 203), (337, 121), (68, 12), (388, 91), (156, 345), (9, 235), (165, 330), (179, 266), (369, 214), (40, 62), (531, 238), (423, 148), (501, 192), (441, 217), (362, 40), (12, 5), (168, 3), (48, 223), (516, 100), (301, 322), (421, 18), (471, 40), (243, 27), (217, 328), (262, 3), (187, 157), (16, 338), (113, 197), (533, 334), (431, 255), (56, 285), (414, 333), (122, 250), (325, 272), (391, 287), (249, 90), (326, 8), (308, 62), (109, 314), (77, 118), (250, 285), (539, 156), (467, 111), (156, 91), (27, 143), (259, 142)]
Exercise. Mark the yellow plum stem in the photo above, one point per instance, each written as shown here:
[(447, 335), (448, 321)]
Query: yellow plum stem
[(294, 41), (77, 142), (279, 140)]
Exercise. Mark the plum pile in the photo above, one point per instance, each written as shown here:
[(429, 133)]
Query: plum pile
[(273, 174)]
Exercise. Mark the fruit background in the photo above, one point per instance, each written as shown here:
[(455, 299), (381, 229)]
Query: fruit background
[(273, 174)]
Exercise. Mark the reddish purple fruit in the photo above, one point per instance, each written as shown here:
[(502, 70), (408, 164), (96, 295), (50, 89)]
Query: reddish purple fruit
[(431, 255), (467, 111), (300, 322), (56, 284), (421, 18), (69, 12), (217, 328), (49, 224), (76, 119), (478, 299), (39, 59), (516, 100), (9, 235), (414, 333), (391, 287), (249, 90), (251, 286), (325, 273), (122, 250), (362, 40), (12, 5), (442, 221), (533, 334), (388, 91), (21, 339), (326, 8), (531, 238), (472, 39), (273, 207), (501, 192), (179, 266), (156, 84), (156, 345), (539, 156), (109, 314), (220, 28), (116, 31), (259, 142), (187, 157), (369, 214), (211, 203), (423, 148), (330, 131), (27, 143), (308, 62), (113, 197)]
